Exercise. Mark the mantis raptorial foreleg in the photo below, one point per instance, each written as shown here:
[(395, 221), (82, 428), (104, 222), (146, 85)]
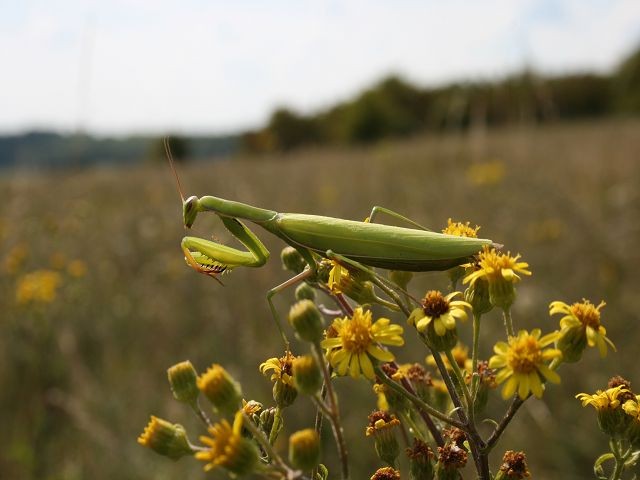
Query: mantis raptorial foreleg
[(214, 258)]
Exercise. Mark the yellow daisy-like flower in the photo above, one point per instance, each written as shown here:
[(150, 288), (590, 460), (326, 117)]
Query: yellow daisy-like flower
[(586, 317), (355, 340), (228, 448), (282, 368), (632, 408), (460, 229), (603, 399), (496, 266), (442, 311), (522, 363)]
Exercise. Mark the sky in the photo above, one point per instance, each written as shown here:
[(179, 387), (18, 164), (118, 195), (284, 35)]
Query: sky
[(121, 67)]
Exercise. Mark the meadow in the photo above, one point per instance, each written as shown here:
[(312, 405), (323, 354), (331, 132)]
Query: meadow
[(97, 301)]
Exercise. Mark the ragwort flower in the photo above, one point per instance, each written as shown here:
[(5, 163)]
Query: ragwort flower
[(442, 311), (580, 327), (608, 403), (522, 363), (354, 341), (228, 448), (501, 271)]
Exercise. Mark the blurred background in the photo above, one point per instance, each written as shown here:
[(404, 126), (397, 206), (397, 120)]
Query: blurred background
[(519, 116)]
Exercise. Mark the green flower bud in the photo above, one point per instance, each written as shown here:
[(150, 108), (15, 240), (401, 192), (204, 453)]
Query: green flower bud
[(420, 461), (304, 449), (165, 438), (305, 292), (381, 428), (306, 375), (307, 321), (183, 380), (267, 418), (292, 260), (221, 389)]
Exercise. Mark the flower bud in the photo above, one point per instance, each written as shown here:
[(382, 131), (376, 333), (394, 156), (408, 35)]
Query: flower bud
[(381, 427), (420, 461), (267, 419), (305, 292), (304, 449), (165, 438), (221, 389), (306, 375), (514, 466), (292, 260), (183, 380), (307, 321)]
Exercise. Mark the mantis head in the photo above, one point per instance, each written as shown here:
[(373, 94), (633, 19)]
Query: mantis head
[(190, 209)]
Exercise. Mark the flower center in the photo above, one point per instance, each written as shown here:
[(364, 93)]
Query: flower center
[(434, 304), (587, 313), (524, 355), (356, 336)]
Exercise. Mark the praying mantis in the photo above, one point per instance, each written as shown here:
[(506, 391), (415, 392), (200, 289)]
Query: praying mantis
[(360, 244)]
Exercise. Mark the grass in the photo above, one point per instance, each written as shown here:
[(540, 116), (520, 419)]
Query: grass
[(81, 374)]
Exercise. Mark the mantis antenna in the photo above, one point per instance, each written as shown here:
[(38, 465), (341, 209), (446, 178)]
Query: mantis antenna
[(167, 150)]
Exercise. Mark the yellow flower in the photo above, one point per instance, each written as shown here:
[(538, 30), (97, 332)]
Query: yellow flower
[(442, 311), (586, 317), (522, 363), (39, 286), (500, 271), (603, 400), (356, 341), (228, 448), (632, 408), (282, 368), (165, 438), (496, 266), (460, 229)]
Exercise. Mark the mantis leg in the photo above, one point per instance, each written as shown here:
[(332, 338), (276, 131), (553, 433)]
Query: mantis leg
[(378, 209), (212, 258), (270, 294)]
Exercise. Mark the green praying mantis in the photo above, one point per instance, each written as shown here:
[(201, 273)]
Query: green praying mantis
[(360, 244)]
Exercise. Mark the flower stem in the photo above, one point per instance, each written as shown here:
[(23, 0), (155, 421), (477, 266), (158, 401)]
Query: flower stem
[(334, 418), (417, 401), (508, 322), (200, 413), (461, 382), (265, 444)]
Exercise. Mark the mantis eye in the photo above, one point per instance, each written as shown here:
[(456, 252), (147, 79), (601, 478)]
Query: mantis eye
[(190, 210)]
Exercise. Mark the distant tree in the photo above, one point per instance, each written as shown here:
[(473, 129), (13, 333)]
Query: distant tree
[(626, 84), (288, 130)]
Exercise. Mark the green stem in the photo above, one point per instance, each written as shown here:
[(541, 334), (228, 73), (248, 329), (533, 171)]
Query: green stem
[(508, 322), (476, 342), (265, 444), (406, 418), (200, 413), (461, 382), (334, 418), (418, 402)]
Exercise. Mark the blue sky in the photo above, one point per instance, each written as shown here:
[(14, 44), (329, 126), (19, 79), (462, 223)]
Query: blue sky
[(141, 66)]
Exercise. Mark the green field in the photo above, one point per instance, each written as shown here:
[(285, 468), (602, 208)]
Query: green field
[(82, 371)]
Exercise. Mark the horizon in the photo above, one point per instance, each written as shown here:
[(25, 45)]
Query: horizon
[(132, 69)]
